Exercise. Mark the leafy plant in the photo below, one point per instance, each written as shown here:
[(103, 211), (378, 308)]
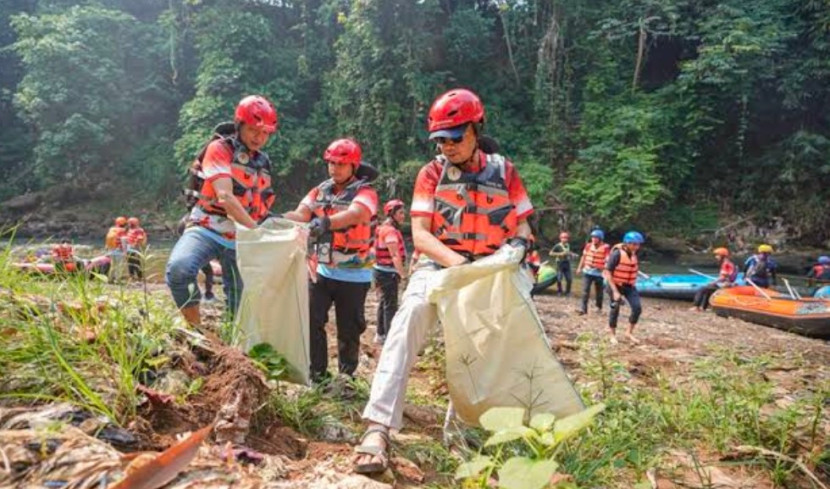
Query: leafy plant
[(538, 444), (269, 361)]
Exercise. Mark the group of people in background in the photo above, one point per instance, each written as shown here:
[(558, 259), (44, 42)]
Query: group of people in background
[(126, 242)]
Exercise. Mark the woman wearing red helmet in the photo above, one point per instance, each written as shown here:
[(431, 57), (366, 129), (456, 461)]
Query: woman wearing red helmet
[(341, 213), (389, 267), (466, 205), (236, 189)]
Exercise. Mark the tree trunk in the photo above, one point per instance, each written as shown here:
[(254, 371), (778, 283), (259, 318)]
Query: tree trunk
[(641, 49), (509, 46)]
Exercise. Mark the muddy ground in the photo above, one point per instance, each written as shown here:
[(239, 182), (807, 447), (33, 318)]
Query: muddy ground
[(672, 339)]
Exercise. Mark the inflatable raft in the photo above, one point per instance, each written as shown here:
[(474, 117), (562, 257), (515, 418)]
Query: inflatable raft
[(99, 264), (807, 316), (545, 278), (679, 287)]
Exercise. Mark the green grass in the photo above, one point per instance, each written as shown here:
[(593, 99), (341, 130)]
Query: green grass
[(49, 358), (717, 410), (720, 402)]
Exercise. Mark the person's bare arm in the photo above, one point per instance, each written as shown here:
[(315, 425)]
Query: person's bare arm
[(523, 230), (397, 259), (227, 201), (355, 214), (301, 214), (581, 264)]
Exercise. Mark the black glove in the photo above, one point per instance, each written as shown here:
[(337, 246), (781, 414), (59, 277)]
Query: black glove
[(319, 226)]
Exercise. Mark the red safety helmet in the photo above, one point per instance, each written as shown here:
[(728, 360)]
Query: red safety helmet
[(258, 112), (721, 252), (453, 109), (344, 151), (390, 207), (564, 235), (121, 221), (133, 221)]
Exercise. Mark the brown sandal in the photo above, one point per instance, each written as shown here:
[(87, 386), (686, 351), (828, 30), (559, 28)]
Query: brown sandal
[(374, 451)]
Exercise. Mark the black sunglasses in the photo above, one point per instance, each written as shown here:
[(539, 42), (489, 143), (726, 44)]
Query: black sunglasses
[(443, 140)]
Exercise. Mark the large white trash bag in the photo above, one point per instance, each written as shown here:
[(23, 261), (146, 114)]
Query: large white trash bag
[(274, 304), (497, 353)]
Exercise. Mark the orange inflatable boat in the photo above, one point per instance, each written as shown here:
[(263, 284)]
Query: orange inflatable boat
[(807, 316)]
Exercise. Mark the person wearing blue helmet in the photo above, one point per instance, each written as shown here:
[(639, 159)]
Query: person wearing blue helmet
[(820, 272), (620, 274), (591, 265)]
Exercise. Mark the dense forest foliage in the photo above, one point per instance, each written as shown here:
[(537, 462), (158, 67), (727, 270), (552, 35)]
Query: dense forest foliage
[(658, 113)]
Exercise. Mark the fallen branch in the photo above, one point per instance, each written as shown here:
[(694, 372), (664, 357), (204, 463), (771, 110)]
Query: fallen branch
[(782, 457)]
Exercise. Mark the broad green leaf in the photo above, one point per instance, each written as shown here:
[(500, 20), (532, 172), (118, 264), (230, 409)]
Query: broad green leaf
[(547, 439), (510, 434), (570, 426), (501, 418), (473, 467), (542, 421), (525, 473)]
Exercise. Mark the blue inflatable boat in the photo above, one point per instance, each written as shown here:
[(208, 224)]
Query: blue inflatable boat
[(679, 287)]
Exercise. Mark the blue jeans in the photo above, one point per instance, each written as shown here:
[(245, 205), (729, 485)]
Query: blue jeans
[(192, 252)]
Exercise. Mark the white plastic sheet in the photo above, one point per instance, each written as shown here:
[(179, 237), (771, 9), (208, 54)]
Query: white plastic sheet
[(274, 303), (497, 353)]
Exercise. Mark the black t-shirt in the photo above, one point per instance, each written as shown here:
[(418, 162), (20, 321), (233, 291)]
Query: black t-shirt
[(613, 260)]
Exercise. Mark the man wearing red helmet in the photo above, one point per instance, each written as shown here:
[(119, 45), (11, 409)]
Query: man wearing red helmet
[(115, 242), (389, 268), (562, 253), (466, 205), (342, 213), (136, 244), (235, 189)]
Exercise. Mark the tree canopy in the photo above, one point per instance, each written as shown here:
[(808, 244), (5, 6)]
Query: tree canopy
[(654, 113)]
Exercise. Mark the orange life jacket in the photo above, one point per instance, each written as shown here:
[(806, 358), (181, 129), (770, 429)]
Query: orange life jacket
[(595, 257), (136, 237), (473, 212), (251, 178), (113, 239), (63, 253), (382, 253), (351, 247), (534, 261), (627, 268)]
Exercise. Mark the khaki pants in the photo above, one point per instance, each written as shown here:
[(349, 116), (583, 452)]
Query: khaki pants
[(408, 335)]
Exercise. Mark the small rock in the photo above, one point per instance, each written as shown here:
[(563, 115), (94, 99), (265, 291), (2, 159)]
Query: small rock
[(335, 431)]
